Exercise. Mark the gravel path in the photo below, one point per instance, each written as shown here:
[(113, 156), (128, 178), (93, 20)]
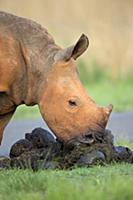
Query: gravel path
[(121, 125)]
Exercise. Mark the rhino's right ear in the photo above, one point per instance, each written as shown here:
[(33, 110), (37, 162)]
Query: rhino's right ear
[(73, 51)]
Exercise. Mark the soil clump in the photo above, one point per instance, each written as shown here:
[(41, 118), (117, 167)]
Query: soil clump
[(40, 150)]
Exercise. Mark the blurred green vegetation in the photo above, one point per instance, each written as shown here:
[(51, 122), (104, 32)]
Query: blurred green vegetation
[(95, 73), (25, 112), (111, 182), (104, 88)]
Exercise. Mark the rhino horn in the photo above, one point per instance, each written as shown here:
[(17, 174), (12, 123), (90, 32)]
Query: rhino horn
[(108, 109)]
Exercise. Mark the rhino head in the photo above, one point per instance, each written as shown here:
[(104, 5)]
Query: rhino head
[(64, 104)]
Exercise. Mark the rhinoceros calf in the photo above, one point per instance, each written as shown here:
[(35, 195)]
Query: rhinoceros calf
[(34, 70)]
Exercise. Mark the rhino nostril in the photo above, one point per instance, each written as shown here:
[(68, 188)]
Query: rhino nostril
[(89, 137)]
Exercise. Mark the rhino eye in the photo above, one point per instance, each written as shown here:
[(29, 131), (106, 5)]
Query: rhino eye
[(72, 103)]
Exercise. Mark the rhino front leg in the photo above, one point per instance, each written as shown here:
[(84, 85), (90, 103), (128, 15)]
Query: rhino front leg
[(4, 119)]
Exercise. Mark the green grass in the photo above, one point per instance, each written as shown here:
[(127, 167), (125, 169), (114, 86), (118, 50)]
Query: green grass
[(98, 183), (25, 112), (117, 93)]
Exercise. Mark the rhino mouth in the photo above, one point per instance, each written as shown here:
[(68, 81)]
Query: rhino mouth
[(87, 138)]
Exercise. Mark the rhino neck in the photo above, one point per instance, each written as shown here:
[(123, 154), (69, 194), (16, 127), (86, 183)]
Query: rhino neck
[(38, 63)]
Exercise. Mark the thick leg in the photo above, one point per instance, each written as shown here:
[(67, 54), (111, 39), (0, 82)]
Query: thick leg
[(4, 119)]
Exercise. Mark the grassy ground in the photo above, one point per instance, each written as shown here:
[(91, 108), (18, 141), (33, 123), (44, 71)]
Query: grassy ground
[(98, 183), (110, 182)]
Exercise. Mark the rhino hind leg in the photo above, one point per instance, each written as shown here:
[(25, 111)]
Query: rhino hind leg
[(4, 120)]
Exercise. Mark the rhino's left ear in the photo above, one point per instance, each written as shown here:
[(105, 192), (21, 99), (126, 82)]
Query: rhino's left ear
[(73, 51)]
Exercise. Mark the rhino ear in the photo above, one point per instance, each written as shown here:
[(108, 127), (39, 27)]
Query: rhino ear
[(73, 51), (81, 46)]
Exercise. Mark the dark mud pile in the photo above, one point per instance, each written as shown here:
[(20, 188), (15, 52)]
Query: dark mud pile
[(40, 150)]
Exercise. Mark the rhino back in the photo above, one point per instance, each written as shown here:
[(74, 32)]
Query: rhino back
[(38, 44), (24, 29)]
